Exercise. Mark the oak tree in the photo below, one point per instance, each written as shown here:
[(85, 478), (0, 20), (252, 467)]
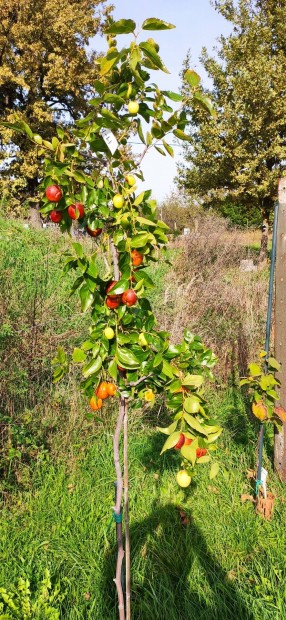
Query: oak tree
[(46, 76), (234, 160)]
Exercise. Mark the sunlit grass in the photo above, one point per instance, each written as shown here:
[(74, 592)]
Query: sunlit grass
[(225, 563)]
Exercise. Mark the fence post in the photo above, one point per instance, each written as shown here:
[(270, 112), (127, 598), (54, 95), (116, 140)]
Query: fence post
[(280, 326)]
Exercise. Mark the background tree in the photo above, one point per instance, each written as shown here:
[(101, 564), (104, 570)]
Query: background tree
[(46, 75), (235, 160), (179, 211)]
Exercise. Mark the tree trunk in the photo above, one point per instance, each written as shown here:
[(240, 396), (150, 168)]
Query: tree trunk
[(34, 217), (263, 254), (267, 208), (280, 327)]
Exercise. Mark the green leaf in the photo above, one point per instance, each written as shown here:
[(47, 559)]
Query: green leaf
[(189, 452), (272, 362), (139, 199), (243, 382), (135, 57), (267, 381), (152, 23), (195, 424), (120, 287), (205, 103), (122, 26), (111, 98), (175, 386), (158, 148), (171, 95), (126, 358), (86, 297), (78, 176), (92, 367), (273, 394), (193, 380), (214, 470), (112, 369), (78, 355), (157, 360), (168, 148), (143, 220), (140, 240), (150, 51), (140, 132), (170, 442), (169, 429), (214, 436), (192, 77), (168, 370), (255, 370), (192, 404), (181, 135), (78, 249), (106, 65), (142, 275), (204, 459)]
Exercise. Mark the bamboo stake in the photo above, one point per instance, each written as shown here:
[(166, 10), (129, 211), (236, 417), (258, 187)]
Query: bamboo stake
[(126, 514), (117, 510)]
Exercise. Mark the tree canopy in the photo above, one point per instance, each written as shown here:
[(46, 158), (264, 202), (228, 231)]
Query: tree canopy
[(233, 161), (46, 74)]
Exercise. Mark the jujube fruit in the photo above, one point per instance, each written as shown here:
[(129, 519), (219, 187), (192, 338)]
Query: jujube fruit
[(112, 303), (112, 389), (183, 478), (76, 211), (133, 107), (118, 201), (54, 193), (56, 216), (137, 258), (95, 403), (93, 233), (200, 452), (180, 442), (129, 297), (102, 390), (109, 333)]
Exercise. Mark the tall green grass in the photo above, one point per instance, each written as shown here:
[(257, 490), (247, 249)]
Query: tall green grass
[(225, 563)]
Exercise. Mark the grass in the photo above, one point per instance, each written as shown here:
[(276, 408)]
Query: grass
[(225, 563)]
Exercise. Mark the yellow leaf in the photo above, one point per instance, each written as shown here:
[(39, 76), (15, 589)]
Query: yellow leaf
[(259, 410)]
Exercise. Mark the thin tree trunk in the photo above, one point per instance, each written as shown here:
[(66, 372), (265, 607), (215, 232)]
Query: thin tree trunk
[(34, 217), (126, 514), (264, 242), (117, 510)]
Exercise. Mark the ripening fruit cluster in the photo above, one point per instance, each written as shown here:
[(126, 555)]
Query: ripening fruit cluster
[(103, 391), (75, 211), (186, 441)]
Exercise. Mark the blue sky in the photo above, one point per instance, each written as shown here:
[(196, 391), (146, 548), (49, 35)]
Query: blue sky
[(197, 25)]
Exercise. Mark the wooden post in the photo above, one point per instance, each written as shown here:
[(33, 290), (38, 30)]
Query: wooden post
[(280, 326)]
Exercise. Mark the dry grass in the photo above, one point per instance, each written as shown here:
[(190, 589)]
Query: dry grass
[(207, 292)]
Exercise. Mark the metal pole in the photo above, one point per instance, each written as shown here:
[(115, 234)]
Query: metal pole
[(268, 327)]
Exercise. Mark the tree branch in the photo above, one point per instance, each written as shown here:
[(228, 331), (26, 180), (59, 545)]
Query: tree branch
[(134, 383), (115, 260)]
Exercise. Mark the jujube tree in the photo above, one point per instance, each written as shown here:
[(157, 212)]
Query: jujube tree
[(125, 355)]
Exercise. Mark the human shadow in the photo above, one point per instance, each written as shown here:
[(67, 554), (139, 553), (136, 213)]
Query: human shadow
[(174, 574)]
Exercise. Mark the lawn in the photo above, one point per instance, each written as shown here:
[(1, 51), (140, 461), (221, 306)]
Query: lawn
[(223, 562)]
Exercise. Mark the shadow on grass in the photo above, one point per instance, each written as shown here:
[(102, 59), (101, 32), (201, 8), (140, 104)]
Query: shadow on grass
[(174, 574)]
